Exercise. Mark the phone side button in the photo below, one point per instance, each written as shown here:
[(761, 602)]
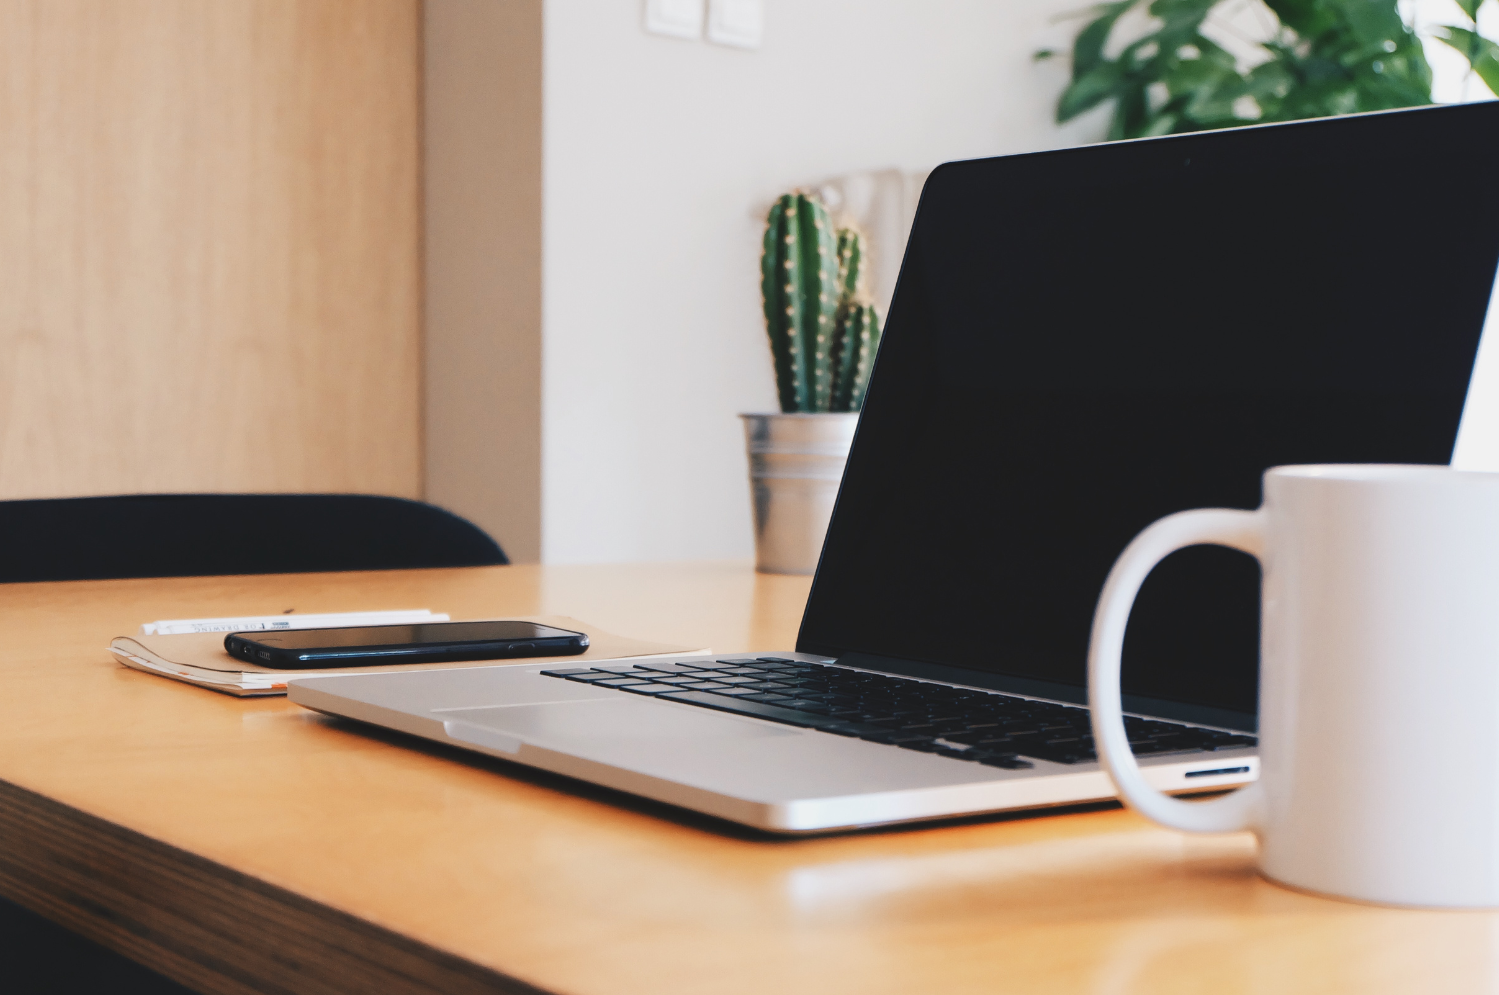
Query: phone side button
[(490, 739)]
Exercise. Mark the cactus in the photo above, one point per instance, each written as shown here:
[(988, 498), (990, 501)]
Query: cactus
[(851, 280), (856, 327), (856, 336), (799, 281), (823, 328)]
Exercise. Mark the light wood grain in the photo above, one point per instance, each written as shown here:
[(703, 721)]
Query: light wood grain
[(482, 239), (429, 867), (209, 246)]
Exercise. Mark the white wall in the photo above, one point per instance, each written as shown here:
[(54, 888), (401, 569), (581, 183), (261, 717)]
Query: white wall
[(655, 152)]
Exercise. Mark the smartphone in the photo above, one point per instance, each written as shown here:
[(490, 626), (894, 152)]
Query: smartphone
[(422, 642)]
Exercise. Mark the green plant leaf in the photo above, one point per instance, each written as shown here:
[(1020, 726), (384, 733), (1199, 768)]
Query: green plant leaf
[(1469, 43), (1181, 16), (1482, 54), (1470, 7), (1131, 113), (1370, 23), (1326, 57), (1308, 18), (1087, 51), (1487, 68), (1088, 91)]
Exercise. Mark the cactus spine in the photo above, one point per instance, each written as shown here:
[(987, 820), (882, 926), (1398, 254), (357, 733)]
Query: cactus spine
[(823, 328)]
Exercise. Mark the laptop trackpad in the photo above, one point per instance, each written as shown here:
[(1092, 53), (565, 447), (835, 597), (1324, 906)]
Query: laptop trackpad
[(588, 722)]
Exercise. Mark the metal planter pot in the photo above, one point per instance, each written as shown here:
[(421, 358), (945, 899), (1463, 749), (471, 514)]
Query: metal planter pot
[(795, 463)]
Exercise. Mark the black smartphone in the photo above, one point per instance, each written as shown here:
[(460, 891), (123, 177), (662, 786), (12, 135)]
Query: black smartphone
[(421, 642)]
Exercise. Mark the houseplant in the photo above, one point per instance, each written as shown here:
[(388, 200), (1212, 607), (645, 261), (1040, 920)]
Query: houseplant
[(1320, 58), (823, 331)]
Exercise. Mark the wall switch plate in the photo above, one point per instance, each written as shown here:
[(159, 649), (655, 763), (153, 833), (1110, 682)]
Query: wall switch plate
[(677, 18), (740, 23)]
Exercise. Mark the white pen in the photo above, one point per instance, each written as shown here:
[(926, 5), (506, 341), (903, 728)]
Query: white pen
[(254, 623)]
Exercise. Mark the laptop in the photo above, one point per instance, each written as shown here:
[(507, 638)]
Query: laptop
[(1081, 341)]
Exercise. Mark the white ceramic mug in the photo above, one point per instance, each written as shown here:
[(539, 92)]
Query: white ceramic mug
[(1379, 681)]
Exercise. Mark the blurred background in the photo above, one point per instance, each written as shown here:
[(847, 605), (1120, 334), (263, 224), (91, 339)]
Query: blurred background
[(502, 255)]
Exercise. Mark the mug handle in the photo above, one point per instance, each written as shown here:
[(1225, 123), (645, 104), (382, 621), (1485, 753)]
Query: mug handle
[(1242, 530)]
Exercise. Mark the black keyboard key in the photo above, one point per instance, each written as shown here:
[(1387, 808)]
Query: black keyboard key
[(921, 745), (973, 738), (811, 707), (853, 729), (770, 699), (568, 672), (614, 682), (591, 676), (1058, 757), (895, 738), (995, 729), (647, 688), (1008, 761), (1231, 743), (774, 713)]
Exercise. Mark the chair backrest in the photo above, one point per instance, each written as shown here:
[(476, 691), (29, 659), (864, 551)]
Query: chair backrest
[(187, 535)]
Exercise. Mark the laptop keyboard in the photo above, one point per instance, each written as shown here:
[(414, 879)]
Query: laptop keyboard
[(987, 727)]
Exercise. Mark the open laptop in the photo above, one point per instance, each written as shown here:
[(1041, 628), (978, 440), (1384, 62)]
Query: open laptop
[(1081, 342)]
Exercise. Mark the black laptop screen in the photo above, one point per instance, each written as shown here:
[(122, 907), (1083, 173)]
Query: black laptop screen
[(1083, 341)]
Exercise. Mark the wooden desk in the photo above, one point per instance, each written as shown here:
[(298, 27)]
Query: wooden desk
[(248, 845)]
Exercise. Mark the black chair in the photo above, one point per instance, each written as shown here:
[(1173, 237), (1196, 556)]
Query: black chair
[(193, 535), (190, 535)]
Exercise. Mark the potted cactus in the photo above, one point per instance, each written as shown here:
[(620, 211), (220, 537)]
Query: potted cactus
[(824, 331)]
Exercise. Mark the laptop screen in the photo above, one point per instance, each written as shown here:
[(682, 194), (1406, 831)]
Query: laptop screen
[(1083, 341)]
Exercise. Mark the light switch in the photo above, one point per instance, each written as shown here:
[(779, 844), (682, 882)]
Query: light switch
[(678, 18), (740, 23)]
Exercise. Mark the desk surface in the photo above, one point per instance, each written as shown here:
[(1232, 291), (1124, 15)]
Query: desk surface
[(248, 845)]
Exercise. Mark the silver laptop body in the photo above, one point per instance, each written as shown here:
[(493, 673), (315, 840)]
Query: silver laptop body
[(1070, 355), (762, 773)]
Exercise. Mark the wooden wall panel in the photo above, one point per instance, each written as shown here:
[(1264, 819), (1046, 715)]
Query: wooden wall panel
[(482, 323), (209, 246)]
